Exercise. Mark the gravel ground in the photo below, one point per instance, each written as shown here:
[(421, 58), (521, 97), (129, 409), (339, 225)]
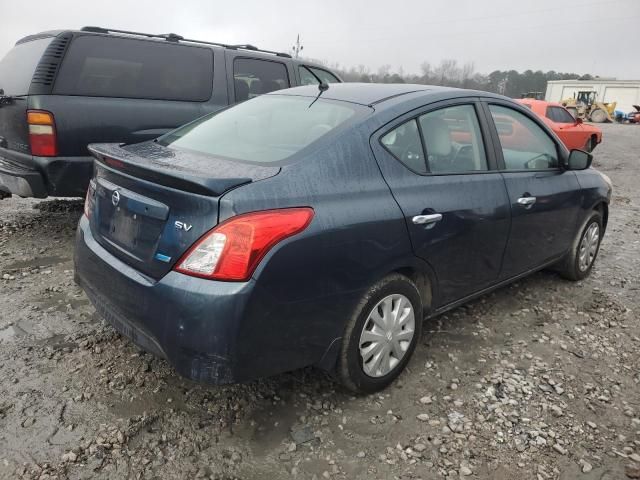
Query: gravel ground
[(539, 380)]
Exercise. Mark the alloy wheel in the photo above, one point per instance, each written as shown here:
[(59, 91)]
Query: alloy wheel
[(588, 246), (387, 335)]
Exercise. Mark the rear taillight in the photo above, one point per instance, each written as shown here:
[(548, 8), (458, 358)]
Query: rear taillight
[(42, 133), (233, 249)]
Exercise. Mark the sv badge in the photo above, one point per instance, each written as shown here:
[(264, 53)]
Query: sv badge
[(182, 226)]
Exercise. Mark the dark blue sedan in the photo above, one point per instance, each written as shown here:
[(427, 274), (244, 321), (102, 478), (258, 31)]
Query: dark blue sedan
[(318, 226)]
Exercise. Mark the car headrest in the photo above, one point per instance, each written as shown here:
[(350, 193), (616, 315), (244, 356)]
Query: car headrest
[(242, 90), (256, 87), (437, 136), (270, 86)]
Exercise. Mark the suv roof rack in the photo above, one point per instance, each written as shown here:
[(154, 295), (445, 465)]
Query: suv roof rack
[(172, 37)]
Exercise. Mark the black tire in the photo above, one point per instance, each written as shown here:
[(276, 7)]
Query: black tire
[(591, 144), (599, 116), (350, 370), (570, 268)]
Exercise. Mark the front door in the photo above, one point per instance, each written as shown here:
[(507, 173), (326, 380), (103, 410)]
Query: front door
[(456, 208), (544, 198)]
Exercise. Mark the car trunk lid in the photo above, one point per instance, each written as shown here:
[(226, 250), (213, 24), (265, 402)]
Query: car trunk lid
[(150, 203)]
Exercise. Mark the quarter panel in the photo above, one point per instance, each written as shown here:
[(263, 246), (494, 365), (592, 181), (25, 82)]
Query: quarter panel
[(307, 287)]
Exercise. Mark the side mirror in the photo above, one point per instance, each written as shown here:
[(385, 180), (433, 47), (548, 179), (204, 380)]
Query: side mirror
[(578, 121), (579, 160)]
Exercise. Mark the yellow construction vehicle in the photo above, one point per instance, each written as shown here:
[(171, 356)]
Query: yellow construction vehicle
[(585, 105)]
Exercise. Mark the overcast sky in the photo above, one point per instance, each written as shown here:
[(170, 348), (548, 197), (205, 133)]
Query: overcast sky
[(582, 36)]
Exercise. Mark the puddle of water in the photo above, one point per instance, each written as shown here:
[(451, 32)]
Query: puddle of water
[(9, 333), (268, 427)]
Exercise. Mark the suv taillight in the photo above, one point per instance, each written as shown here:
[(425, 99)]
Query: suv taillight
[(42, 133), (233, 249)]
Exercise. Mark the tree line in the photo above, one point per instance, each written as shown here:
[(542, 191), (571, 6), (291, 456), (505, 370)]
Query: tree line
[(450, 73)]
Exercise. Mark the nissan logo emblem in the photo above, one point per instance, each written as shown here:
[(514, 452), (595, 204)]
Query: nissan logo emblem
[(115, 198)]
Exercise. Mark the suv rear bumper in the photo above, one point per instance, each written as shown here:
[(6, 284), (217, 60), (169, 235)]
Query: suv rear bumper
[(28, 176), (21, 181)]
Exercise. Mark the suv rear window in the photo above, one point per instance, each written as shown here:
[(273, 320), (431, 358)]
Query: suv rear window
[(97, 66), (265, 129), (18, 66)]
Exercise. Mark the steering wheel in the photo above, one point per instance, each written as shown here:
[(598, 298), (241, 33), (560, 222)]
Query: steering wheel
[(412, 155)]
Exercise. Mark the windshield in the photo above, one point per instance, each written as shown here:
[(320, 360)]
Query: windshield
[(265, 129), (18, 66)]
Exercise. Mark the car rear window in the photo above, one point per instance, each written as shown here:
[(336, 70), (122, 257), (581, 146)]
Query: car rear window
[(18, 66), (265, 129), (99, 66)]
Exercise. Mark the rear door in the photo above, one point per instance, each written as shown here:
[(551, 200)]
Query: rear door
[(544, 198), (440, 170)]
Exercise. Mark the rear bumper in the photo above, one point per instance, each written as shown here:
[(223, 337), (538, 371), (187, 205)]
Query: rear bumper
[(191, 322), (212, 332), (21, 181), (29, 176)]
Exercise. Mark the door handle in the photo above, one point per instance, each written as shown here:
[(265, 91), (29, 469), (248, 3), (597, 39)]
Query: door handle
[(427, 219), (526, 202)]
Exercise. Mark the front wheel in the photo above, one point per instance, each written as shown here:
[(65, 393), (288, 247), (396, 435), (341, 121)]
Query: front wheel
[(381, 335), (584, 250), (599, 116)]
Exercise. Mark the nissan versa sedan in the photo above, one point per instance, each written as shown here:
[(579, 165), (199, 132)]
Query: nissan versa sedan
[(320, 225)]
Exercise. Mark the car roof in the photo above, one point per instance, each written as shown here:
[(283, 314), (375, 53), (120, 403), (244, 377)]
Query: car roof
[(248, 50), (380, 94)]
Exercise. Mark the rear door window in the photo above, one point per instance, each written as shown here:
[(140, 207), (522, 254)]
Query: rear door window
[(253, 77), (403, 142), (100, 66), (18, 66), (453, 140)]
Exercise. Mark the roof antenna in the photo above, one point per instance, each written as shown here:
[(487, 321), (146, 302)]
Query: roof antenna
[(322, 85)]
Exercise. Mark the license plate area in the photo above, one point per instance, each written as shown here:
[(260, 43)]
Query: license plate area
[(129, 221)]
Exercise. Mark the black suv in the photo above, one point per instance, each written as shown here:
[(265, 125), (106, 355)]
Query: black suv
[(61, 90)]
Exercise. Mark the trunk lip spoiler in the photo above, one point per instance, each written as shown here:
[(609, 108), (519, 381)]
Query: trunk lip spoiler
[(114, 157)]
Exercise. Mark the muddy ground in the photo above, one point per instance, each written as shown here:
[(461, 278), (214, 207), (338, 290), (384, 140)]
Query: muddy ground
[(540, 380)]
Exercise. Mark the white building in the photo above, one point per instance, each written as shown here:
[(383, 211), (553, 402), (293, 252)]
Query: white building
[(625, 92)]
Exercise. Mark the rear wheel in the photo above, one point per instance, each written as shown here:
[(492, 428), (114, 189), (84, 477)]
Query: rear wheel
[(599, 116), (584, 250), (381, 335)]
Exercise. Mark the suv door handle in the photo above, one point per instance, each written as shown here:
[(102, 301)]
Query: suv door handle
[(526, 202), (427, 219)]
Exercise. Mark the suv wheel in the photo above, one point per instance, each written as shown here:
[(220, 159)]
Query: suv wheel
[(381, 336), (584, 250)]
